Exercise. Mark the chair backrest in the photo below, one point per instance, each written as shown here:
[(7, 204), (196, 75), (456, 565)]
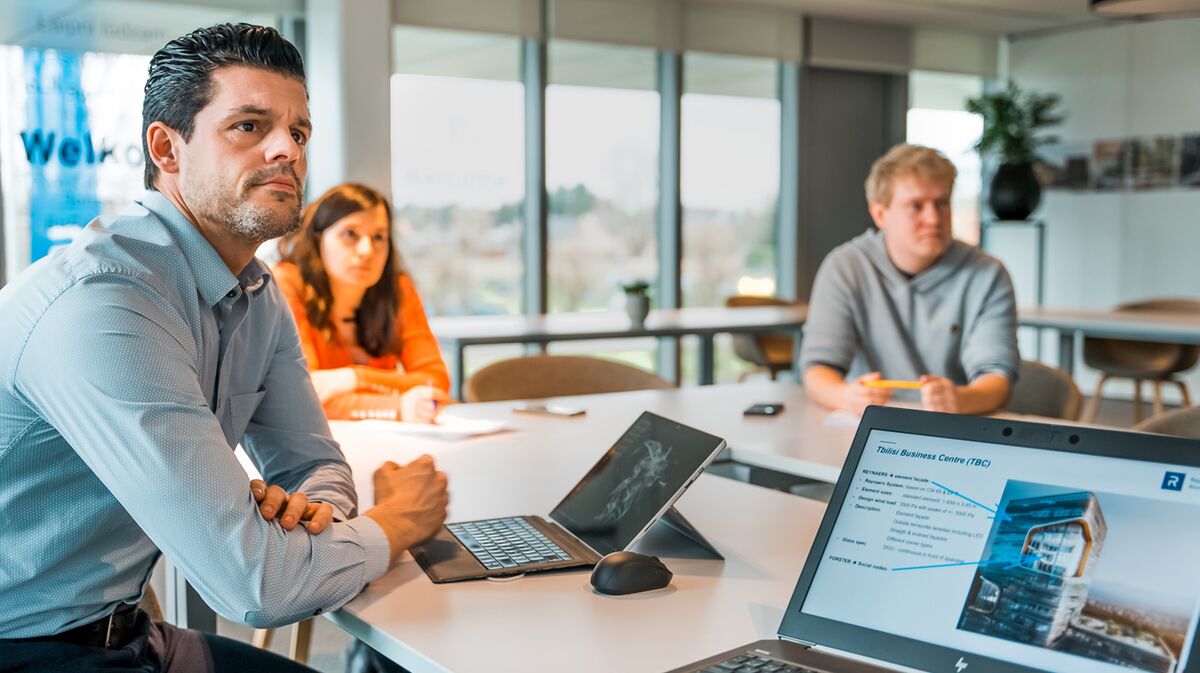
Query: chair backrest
[(1144, 358), (1179, 422), (1164, 305), (1044, 391), (539, 376), (753, 348)]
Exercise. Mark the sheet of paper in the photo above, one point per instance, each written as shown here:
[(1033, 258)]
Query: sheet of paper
[(446, 427)]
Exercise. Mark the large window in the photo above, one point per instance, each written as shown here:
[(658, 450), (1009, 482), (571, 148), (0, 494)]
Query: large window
[(458, 168), (72, 76), (729, 178), (602, 137), (730, 186), (937, 118)]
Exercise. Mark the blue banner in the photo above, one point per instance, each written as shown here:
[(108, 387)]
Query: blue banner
[(58, 145)]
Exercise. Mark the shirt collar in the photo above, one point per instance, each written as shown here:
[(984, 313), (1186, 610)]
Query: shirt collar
[(213, 277)]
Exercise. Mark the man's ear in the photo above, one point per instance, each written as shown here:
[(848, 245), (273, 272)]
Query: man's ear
[(163, 143), (877, 210)]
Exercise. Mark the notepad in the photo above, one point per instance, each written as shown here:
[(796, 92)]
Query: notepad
[(449, 428)]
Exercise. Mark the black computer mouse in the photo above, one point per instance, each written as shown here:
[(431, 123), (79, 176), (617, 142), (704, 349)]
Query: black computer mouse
[(626, 572)]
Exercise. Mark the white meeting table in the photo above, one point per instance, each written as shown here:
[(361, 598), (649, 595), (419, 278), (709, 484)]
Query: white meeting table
[(554, 621), (455, 333), (1159, 326)]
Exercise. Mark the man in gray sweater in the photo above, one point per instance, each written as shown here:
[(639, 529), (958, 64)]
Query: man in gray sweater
[(907, 302)]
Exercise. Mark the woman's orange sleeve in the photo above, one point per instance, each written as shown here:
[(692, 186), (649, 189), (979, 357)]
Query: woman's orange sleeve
[(419, 352), (287, 276)]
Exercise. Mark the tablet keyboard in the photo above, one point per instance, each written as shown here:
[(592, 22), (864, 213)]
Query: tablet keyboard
[(506, 543)]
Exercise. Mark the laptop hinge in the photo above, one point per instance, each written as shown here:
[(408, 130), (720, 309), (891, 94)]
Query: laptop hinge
[(802, 643)]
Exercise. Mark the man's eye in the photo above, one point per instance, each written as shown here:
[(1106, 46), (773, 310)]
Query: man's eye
[(379, 238), (247, 127), (299, 138)]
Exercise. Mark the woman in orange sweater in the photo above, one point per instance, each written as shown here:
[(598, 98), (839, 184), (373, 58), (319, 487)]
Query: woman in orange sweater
[(362, 327)]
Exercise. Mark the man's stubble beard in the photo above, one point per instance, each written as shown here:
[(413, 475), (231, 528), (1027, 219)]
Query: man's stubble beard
[(246, 220)]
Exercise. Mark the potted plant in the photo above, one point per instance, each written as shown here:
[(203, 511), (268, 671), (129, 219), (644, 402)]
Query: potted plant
[(637, 301), (1013, 121)]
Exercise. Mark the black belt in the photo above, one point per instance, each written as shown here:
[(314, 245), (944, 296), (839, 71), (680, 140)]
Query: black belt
[(112, 631)]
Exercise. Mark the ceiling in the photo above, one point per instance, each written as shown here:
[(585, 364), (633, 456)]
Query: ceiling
[(985, 16)]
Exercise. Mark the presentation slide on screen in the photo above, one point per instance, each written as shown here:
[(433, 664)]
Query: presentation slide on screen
[(1059, 561)]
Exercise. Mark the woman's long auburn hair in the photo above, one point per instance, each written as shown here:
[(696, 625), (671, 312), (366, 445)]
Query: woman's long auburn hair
[(375, 319)]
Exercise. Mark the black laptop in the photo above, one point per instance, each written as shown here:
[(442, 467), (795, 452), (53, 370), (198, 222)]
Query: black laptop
[(964, 544), (633, 485)]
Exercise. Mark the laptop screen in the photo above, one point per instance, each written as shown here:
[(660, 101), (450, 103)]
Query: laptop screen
[(1058, 561), (635, 482)]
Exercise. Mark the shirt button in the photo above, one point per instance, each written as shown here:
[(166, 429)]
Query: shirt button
[(232, 294)]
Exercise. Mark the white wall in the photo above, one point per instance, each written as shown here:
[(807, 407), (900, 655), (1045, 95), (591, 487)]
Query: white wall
[(1119, 81)]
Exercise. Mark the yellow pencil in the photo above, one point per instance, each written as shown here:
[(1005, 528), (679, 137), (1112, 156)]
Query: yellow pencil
[(888, 383)]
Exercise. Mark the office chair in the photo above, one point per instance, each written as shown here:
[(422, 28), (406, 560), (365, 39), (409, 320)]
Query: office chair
[(540, 376)]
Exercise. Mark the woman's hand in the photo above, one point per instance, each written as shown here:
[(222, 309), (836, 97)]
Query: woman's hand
[(330, 383), (421, 404)]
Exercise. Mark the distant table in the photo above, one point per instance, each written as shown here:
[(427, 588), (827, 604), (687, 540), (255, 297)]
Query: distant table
[(554, 621), (1141, 326), (457, 332)]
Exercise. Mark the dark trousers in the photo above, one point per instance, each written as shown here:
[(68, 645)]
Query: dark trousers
[(155, 647)]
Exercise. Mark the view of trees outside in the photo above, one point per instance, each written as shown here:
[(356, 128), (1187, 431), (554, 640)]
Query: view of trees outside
[(458, 170), (730, 177), (602, 141), (937, 118)]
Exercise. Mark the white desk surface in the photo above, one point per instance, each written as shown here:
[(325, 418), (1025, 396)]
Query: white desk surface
[(1140, 325), (798, 441), (554, 621), (468, 330)]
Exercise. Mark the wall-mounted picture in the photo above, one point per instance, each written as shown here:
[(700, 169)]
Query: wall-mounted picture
[(1110, 159), (1065, 166), (1152, 162), (1189, 160)]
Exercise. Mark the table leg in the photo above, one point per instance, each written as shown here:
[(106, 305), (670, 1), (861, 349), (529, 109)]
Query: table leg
[(797, 375), (456, 376), (184, 607), (1066, 351), (707, 359)]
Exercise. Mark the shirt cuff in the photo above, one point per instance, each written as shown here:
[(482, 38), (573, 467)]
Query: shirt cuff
[(375, 545)]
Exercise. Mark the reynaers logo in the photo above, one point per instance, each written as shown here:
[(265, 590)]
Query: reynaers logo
[(1173, 481), (960, 665)]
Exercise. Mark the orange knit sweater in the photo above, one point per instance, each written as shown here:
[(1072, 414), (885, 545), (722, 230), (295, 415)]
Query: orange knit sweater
[(380, 381)]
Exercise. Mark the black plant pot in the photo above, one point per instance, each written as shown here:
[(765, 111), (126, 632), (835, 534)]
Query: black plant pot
[(1015, 192)]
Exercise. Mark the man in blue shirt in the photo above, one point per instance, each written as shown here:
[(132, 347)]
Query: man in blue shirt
[(134, 360)]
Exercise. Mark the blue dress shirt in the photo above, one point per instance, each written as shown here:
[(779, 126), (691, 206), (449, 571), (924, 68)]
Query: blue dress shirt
[(131, 363)]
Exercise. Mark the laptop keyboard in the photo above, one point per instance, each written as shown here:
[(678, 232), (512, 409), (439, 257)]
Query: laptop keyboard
[(506, 543), (749, 663)]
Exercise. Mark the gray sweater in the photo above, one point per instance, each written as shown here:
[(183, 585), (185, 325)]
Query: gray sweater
[(956, 319)]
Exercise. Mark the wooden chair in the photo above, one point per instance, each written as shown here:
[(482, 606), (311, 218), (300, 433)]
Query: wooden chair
[(1044, 391), (1141, 360), (539, 376), (769, 352), (301, 640), (1179, 422)]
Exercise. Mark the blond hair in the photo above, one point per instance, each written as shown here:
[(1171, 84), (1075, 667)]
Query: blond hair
[(922, 163)]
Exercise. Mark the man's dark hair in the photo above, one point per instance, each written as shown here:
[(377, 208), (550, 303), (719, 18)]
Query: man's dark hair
[(180, 81)]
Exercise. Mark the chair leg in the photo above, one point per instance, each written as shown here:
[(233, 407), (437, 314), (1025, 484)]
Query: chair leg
[(262, 638), (1183, 392), (301, 638), (1158, 403), (1093, 405), (1137, 401)]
